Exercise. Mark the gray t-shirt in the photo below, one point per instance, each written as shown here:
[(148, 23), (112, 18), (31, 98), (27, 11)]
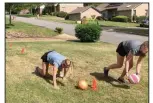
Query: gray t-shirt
[(55, 58), (133, 46)]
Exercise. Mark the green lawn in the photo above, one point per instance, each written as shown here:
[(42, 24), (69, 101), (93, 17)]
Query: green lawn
[(103, 23), (28, 30), (118, 24), (26, 15), (57, 19), (136, 31), (22, 86)]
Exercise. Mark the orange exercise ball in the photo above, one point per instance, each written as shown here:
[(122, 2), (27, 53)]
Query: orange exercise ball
[(82, 84)]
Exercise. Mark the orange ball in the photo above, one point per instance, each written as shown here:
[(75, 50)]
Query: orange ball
[(82, 84)]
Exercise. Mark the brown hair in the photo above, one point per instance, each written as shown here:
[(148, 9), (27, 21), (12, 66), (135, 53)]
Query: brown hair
[(67, 62), (146, 44)]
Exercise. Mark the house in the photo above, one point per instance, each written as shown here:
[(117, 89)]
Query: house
[(81, 12), (69, 7), (24, 11), (58, 7), (110, 10)]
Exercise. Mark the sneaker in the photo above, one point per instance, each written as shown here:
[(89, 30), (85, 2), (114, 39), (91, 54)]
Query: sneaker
[(106, 72), (121, 80)]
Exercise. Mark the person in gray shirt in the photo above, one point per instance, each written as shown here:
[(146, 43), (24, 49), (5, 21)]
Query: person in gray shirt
[(128, 49)]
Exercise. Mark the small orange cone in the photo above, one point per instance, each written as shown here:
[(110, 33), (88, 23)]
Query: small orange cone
[(94, 84), (10, 45), (22, 51)]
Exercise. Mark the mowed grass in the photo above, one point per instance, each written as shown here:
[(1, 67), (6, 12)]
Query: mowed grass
[(118, 24), (57, 19), (23, 86), (26, 15), (28, 29), (101, 22)]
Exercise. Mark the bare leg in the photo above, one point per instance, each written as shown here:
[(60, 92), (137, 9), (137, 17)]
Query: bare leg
[(119, 64), (42, 71)]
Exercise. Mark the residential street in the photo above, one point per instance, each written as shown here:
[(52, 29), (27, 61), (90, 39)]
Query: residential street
[(106, 36)]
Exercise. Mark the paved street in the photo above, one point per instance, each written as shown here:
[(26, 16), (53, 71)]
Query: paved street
[(106, 36)]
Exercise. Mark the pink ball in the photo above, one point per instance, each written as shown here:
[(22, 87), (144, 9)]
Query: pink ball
[(134, 79)]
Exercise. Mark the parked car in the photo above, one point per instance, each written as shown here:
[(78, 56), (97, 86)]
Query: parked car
[(145, 23)]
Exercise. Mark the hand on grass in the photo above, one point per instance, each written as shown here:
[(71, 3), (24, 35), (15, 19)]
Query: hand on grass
[(64, 78), (56, 87)]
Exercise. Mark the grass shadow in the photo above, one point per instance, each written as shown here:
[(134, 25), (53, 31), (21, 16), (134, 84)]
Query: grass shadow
[(27, 15), (78, 41), (114, 82), (47, 78), (76, 87), (7, 26), (135, 31)]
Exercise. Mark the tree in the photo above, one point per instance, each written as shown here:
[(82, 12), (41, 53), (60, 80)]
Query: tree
[(91, 4), (9, 7)]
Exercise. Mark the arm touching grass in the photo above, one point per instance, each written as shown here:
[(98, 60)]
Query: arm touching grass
[(54, 77), (129, 57), (138, 65)]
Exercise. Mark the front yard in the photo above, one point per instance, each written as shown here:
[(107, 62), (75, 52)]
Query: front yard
[(103, 23), (24, 86)]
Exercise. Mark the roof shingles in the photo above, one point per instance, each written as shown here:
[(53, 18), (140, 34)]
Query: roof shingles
[(121, 7)]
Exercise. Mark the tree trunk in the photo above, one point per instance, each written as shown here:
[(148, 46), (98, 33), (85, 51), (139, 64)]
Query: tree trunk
[(10, 21)]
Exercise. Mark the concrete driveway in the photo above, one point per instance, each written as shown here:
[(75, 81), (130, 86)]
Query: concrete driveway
[(106, 36)]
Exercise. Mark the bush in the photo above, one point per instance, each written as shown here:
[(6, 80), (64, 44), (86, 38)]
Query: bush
[(67, 17), (99, 18), (120, 18), (61, 14), (140, 19), (88, 32), (93, 22), (55, 13), (59, 30)]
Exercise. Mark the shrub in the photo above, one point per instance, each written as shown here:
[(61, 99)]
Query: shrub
[(140, 19), (120, 18), (93, 21), (67, 17), (88, 32), (55, 13), (61, 14), (99, 18), (59, 30)]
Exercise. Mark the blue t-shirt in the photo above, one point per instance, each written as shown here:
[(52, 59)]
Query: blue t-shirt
[(55, 58)]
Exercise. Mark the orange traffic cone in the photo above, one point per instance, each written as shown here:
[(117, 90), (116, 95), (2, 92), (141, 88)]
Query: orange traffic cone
[(94, 84), (10, 45), (22, 51)]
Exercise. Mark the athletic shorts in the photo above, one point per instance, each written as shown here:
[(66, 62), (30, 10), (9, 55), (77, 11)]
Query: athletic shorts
[(120, 49), (44, 56)]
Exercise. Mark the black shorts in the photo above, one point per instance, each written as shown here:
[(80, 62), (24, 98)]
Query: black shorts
[(120, 49), (44, 56)]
